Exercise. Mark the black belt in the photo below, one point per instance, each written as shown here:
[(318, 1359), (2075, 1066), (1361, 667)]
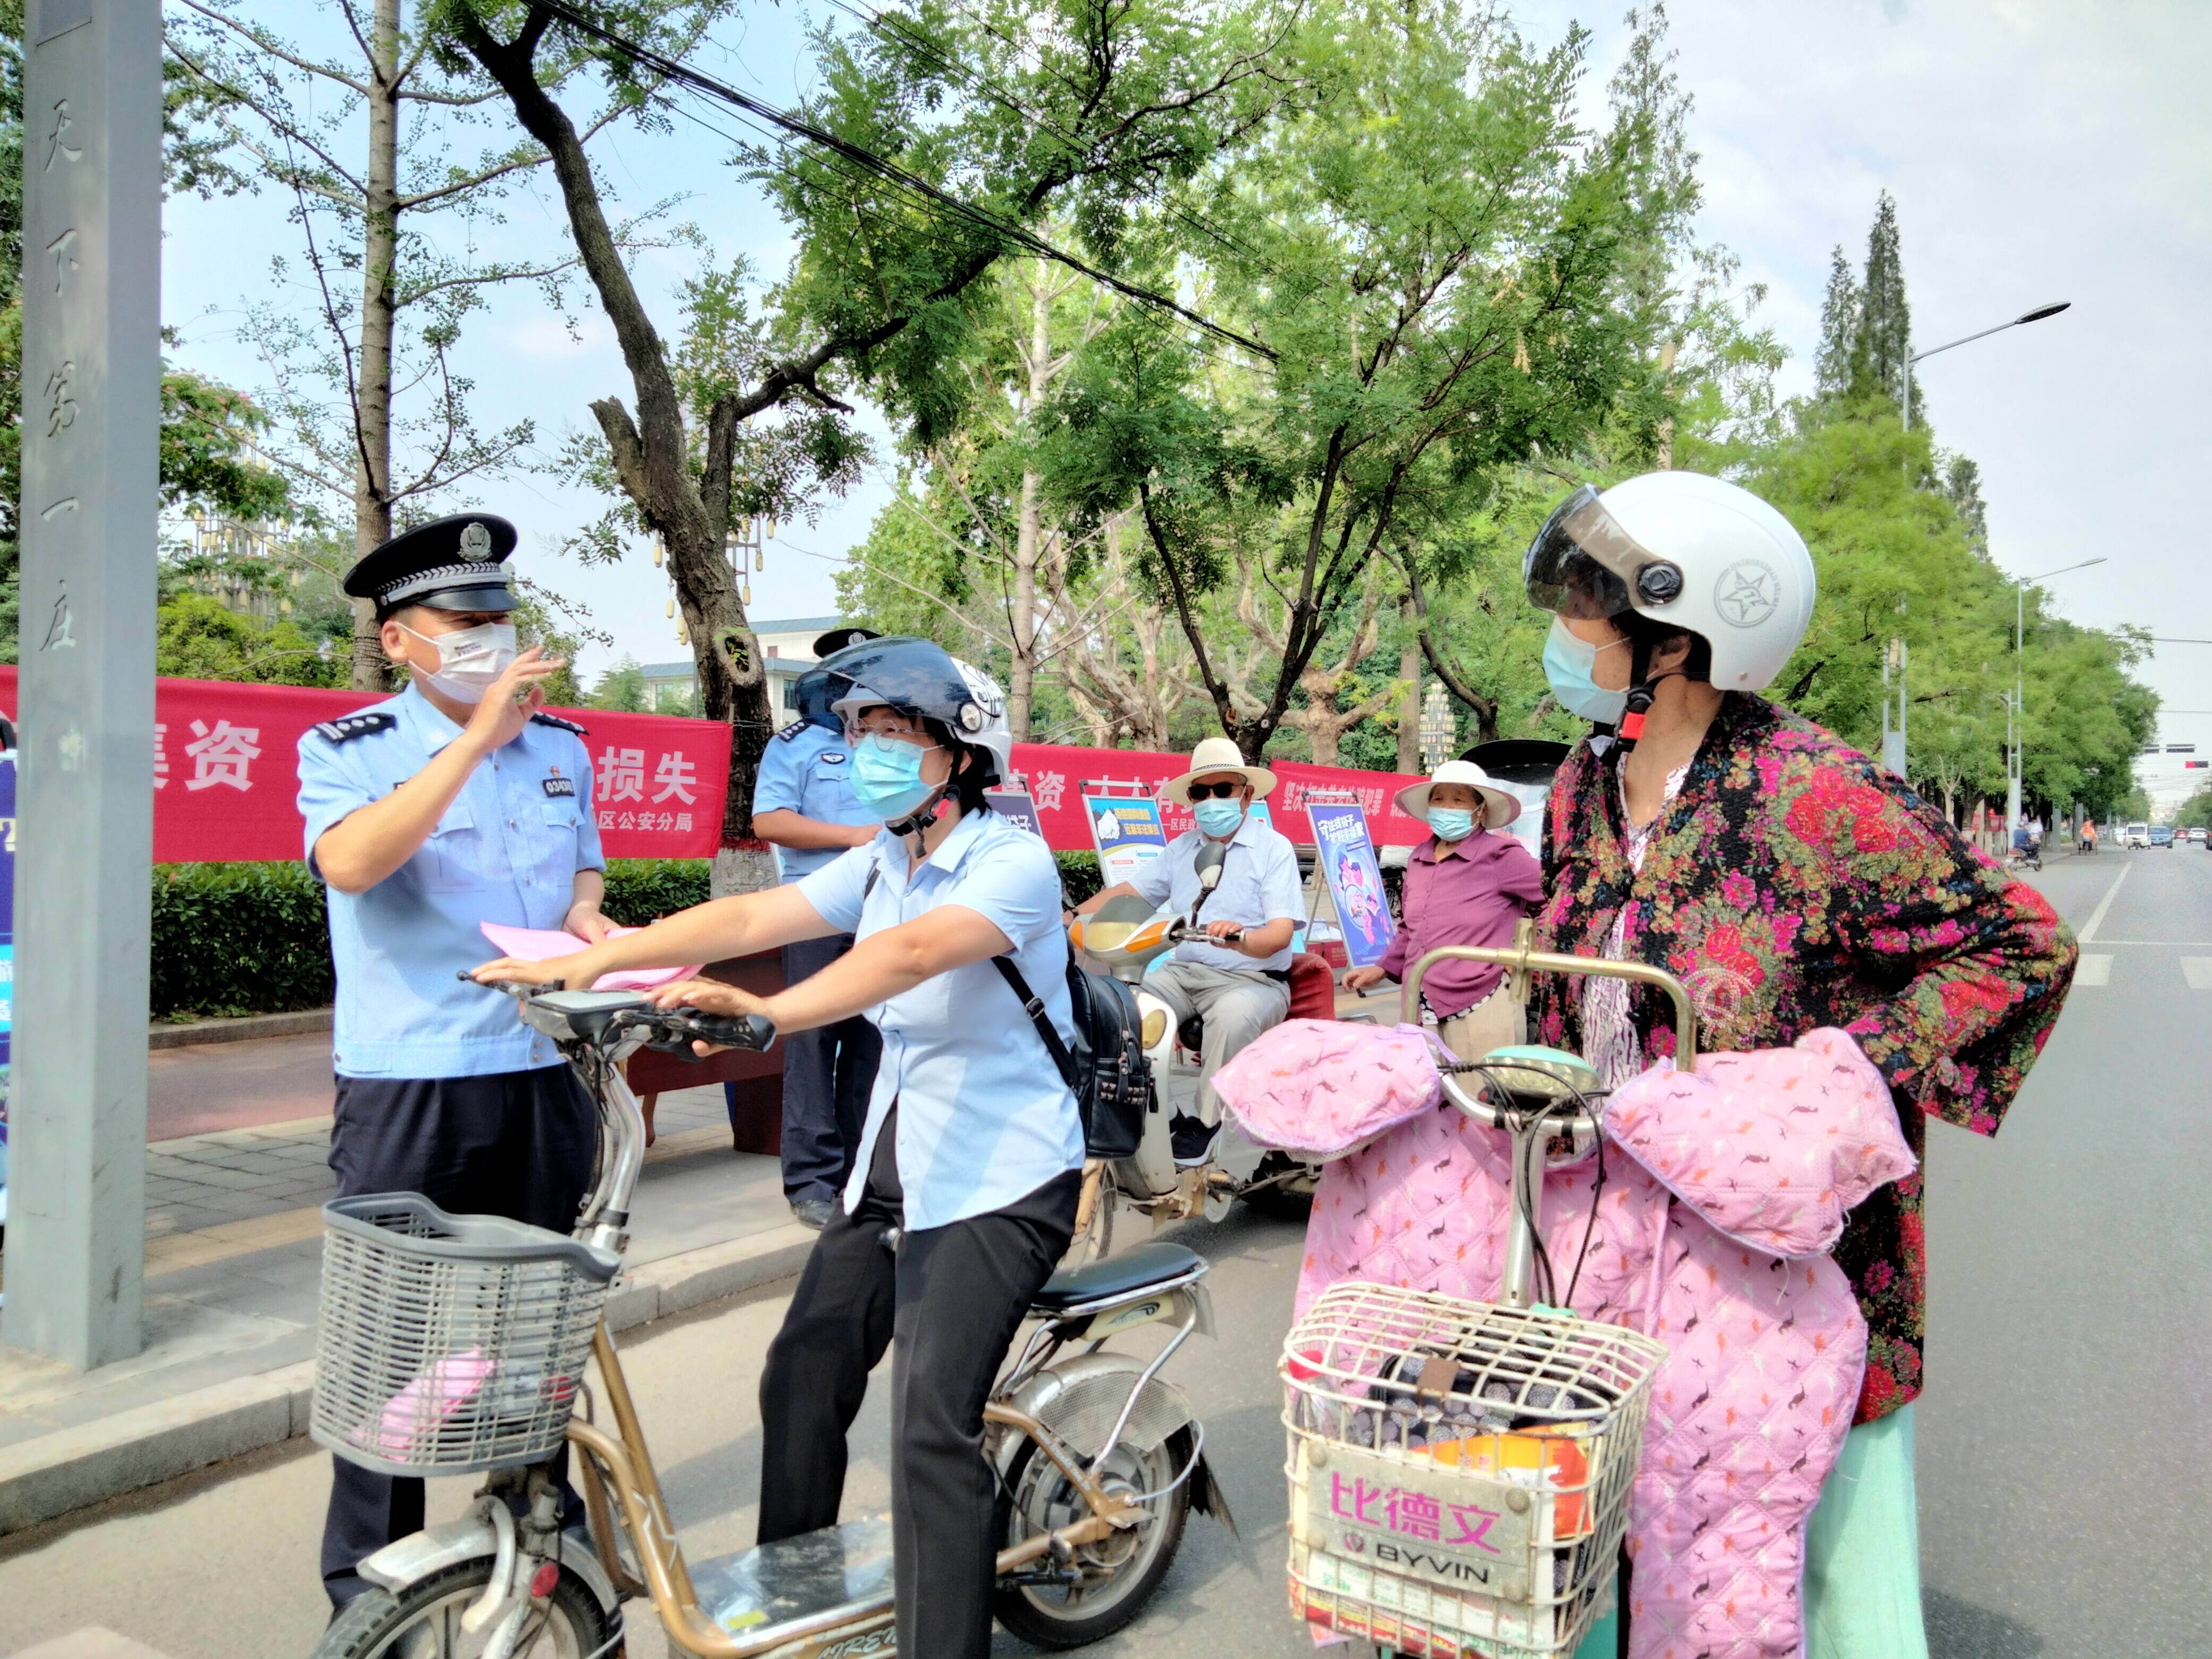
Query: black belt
[(1281, 974)]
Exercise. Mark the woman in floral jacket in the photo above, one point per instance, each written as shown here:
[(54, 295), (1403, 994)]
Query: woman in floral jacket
[(1790, 883)]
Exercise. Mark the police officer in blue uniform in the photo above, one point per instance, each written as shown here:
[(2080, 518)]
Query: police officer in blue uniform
[(457, 802), (803, 802)]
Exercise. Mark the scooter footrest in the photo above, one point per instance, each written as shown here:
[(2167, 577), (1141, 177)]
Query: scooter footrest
[(795, 1582)]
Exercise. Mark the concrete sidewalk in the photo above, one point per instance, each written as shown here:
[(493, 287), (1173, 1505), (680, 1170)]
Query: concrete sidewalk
[(232, 1261)]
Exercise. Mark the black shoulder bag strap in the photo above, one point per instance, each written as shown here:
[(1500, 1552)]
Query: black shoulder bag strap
[(1033, 1006)]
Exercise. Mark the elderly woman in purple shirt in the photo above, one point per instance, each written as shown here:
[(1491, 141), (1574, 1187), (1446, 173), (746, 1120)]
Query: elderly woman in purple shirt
[(1465, 885)]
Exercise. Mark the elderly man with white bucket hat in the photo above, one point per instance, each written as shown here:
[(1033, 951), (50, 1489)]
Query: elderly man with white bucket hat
[(1238, 984), (1465, 885)]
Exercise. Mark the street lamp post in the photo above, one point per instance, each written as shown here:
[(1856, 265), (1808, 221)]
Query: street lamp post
[(2018, 708), (1913, 357)]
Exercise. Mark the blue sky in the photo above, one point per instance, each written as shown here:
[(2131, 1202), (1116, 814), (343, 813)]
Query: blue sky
[(2037, 150)]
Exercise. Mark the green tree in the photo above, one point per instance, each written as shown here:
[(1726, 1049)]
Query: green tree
[(1881, 343), (1839, 328), (1434, 255), (201, 638), (955, 132), (621, 689)]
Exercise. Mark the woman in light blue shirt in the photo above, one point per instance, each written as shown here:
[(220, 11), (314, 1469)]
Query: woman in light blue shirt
[(971, 1135)]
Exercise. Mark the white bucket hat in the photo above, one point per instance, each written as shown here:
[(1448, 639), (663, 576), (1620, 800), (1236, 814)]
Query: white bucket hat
[(1219, 754), (1500, 805)]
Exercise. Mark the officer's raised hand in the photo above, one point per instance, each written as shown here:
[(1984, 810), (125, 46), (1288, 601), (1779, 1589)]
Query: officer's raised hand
[(513, 698)]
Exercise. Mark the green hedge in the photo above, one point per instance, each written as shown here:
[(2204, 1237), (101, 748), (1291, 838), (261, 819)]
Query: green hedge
[(254, 938)]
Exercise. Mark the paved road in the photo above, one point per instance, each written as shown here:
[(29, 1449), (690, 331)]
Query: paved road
[(2063, 1482)]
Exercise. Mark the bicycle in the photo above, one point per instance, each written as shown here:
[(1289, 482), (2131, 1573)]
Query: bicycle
[(451, 1345)]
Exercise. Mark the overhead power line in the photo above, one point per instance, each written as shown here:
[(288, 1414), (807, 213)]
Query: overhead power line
[(672, 70)]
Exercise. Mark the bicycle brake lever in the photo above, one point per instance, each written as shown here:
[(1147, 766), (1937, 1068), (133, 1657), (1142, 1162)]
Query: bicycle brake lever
[(514, 987)]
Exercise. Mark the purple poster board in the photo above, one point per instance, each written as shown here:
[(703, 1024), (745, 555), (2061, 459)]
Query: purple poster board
[(1355, 879), (1016, 805)]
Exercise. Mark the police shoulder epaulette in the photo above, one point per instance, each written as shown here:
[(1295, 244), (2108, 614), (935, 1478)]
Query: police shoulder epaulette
[(354, 725), (566, 726), (790, 732)]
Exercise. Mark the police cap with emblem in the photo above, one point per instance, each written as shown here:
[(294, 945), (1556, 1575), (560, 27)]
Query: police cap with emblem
[(840, 636), (454, 563)]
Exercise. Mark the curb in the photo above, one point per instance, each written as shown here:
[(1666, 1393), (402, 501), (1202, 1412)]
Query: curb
[(161, 1035), (70, 1468)]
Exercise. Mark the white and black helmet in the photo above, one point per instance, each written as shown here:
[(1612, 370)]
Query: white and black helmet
[(922, 679), (1691, 552)]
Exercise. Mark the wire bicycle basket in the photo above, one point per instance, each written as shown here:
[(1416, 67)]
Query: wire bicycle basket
[(1459, 1471), (448, 1343)]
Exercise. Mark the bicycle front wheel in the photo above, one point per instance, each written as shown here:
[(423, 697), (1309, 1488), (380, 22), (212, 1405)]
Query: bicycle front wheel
[(423, 1621)]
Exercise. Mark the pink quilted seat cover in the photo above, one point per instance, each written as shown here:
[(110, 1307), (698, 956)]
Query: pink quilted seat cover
[(1322, 1088), (1766, 1351)]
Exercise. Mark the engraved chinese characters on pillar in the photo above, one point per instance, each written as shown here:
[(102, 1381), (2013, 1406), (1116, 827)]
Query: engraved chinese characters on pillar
[(61, 408), (63, 252), (58, 148)]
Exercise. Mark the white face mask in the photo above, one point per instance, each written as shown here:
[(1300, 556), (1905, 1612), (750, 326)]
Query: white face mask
[(469, 659)]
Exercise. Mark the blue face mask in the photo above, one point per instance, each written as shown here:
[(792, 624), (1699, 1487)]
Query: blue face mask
[(1569, 664), (1452, 823), (1218, 818), (886, 777)]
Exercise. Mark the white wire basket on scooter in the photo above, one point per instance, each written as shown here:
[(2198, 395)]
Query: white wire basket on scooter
[(1460, 1470)]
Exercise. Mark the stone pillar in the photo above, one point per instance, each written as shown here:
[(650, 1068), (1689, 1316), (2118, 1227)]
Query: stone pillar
[(91, 366)]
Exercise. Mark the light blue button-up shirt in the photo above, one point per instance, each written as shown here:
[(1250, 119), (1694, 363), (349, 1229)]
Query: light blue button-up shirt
[(507, 850), (983, 1116), (1259, 884), (807, 769)]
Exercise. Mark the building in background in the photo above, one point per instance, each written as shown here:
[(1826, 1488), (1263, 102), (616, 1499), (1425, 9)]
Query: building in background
[(672, 687)]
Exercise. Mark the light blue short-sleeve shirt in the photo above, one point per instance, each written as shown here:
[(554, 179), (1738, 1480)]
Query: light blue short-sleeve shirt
[(807, 769), (507, 850), (1259, 884), (983, 1116)]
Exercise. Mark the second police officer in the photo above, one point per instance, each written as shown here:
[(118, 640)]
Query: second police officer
[(458, 802), (803, 805)]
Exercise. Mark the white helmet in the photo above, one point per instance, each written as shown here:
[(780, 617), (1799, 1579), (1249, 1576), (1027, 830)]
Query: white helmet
[(1691, 551), (922, 678)]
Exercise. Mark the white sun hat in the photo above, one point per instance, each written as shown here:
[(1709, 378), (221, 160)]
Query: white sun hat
[(1500, 805), (1219, 754)]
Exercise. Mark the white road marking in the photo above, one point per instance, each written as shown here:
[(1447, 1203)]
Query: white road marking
[(2198, 970), (2097, 916), (2093, 971)]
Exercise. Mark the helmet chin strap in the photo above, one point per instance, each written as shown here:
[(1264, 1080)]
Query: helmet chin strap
[(1643, 692), (917, 823)]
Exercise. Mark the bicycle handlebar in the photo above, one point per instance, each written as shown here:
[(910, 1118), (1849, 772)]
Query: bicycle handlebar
[(675, 1029)]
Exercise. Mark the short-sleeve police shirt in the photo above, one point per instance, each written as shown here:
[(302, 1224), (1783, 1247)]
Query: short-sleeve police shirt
[(1259, 884), (507, 850), (807, 769), (983, 1116)]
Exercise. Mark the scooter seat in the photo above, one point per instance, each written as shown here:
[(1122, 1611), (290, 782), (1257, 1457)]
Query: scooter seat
[(1131, 1274)]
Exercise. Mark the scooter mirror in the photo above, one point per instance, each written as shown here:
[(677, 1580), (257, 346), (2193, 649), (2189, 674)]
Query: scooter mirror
[(1211, 857)]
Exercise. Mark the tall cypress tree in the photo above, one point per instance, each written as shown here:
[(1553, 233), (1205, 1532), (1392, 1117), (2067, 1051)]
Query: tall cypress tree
[(1884, 340), (1839, 329)]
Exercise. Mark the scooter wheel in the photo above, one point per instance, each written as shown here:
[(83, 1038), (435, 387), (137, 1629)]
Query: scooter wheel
[(1291, 1200), (426, 1618), (1127, 1567)]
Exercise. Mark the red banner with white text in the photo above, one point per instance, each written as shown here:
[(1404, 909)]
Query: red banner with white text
[(226, 777), (226, 772)]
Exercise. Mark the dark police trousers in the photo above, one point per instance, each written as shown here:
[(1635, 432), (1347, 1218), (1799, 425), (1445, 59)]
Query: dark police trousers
[(952, 1296), (515, 1144), (827, 1075)]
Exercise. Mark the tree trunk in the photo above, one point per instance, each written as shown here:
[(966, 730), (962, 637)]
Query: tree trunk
[(1037, 362), (652, 462), (372, 411), (1409, 669), (1665, 458)]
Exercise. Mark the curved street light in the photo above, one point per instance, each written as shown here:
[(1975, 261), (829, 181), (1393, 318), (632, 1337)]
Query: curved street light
[(2035, 316)]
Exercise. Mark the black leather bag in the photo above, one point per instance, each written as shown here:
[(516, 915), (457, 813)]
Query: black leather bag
[(1107, 1069)]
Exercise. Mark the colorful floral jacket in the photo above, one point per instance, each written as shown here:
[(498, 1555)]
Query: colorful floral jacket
[(1793, 884)]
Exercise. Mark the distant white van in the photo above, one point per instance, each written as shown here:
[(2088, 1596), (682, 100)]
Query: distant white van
[(2138, 835)]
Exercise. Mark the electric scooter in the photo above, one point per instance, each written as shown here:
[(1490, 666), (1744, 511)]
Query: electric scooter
[(1098, 1459), (1122, 938)]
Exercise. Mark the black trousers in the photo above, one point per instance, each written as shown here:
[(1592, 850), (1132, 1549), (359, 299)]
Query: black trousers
[(952, 1298), (516, 1144), (827, 1075)]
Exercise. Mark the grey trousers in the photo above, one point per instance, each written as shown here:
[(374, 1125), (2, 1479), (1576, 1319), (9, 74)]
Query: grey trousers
[(1236, 1004)]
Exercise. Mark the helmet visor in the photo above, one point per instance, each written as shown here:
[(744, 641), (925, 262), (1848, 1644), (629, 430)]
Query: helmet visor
[(1582, 563)]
